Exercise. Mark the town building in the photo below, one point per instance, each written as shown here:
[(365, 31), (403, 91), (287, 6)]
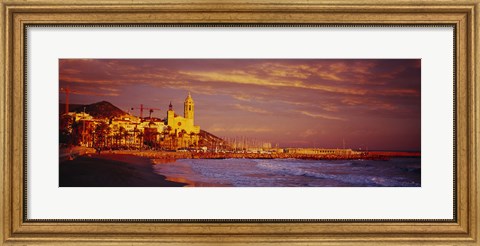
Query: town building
[(185, 123), (172, 132), (183, 128)]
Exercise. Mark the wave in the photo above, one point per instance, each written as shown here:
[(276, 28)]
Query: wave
[(363, 180), (290, 172)]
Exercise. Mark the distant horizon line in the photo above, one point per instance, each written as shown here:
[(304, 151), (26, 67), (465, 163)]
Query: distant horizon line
[(370, 150)]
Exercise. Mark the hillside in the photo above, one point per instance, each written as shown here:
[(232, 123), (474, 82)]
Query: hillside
[(101, 109), (105, 109), (73, 107), (209, 140)]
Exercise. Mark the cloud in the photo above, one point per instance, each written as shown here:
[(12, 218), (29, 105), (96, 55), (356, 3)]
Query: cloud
[(250, 109), (242, 97), (329, 76), (353, 101), (282, 70), (399, 92), (321, 116), (324, 105), (239, 129), (251, 79), (309, 132), (109, 89), (95, 93), (239, 77), (338, 67), (369, 104)]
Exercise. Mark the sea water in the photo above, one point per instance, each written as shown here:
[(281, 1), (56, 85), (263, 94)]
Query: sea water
[(395, 172)]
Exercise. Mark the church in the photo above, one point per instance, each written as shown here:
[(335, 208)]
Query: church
[(184, 127)]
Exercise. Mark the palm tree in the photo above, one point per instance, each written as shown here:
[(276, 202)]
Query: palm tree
[(164, 133), (192, 142), (154, 139), (173, 143), (140, 138), (121, 130), (182, 135), (66, 128), (102, 130), (89, 134), (117, 137), (124, 134), (169, 135), (108, 133), (135, 130)]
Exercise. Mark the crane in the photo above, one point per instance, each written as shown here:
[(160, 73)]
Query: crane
[(67, 92), (142, 108)]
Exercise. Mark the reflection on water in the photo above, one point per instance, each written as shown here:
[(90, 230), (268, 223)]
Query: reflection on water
[(396, 172)]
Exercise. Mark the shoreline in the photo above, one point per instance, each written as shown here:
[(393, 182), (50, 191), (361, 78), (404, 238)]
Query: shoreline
[(352, 173), (188, 182), (155, 162), (125, 169)]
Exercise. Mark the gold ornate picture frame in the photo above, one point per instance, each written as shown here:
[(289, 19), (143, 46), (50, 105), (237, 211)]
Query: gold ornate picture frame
[(17, 15)]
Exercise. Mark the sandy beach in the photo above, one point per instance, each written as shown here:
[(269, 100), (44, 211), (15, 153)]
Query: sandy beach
[(168, 169), (111, 170)]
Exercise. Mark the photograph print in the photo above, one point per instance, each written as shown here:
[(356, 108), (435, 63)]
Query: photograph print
[(239, 122)]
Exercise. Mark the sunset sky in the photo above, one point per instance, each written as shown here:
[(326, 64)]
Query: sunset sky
[(372, 103)]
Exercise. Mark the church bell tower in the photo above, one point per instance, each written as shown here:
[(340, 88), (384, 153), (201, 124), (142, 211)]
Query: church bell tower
[(188, 107)]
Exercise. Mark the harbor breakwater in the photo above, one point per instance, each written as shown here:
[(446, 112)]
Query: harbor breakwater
[(165, 155)]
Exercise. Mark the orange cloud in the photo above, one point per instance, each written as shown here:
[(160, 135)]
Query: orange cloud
[(239, 129), (251, 79), (250, 109), (320, 116)]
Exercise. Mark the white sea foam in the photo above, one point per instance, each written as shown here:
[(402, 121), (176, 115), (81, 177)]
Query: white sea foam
[(292, 172)]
